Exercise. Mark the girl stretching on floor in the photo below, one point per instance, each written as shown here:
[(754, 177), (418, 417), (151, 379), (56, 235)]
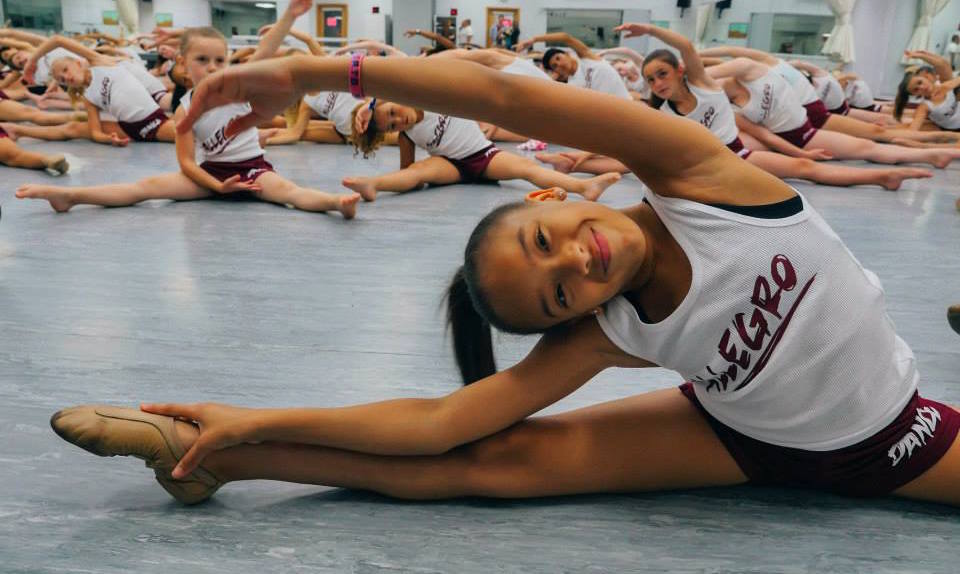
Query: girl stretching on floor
[(459, 152), (726, 275), (687, 90), (217, 167), (938, 97)]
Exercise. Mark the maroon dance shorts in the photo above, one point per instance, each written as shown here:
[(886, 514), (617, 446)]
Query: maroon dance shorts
[(248, 170), (473, 166), (817, 113), (3, 96), (737, 147), (145, 130), (916, 440), (801, 136), (843, 110)]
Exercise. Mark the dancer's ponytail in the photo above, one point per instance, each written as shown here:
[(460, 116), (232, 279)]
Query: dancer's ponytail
[(903, 94), (472, 338)]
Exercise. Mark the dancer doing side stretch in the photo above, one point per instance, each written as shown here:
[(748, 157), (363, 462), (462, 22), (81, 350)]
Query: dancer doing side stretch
[(227, 168), (583, 68), (938, 97), (687, 90), (803, 383), (458, 152)]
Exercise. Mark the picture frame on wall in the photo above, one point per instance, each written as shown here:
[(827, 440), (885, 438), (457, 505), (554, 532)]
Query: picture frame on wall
[(164, 20), (110, 18), (738, 30)]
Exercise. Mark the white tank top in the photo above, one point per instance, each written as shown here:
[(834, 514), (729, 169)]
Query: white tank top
[(116, 91), (524, 67), (600, 76), (798, 82), (447, 136), (335, 106), (783, 333), (859, 94), (208, 134), (945, 114), (772, 104), (42, 76), (152, 83), (713, 112), (829, 91)]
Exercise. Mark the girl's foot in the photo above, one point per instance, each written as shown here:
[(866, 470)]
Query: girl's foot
[(160, 441), (362, 185), (595, 186), (559, 162), (59, 197), (895, 177), (56, 165), (348, 205), (13, 130)]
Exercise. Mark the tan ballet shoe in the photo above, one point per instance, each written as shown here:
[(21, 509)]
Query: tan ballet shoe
[(116, 431)]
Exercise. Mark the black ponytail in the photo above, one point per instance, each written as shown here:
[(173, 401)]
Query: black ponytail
[(665, 56), (472, 338), (469, 313)]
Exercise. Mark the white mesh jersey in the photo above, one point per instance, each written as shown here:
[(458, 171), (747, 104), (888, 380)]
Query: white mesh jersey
[(116, 91), (772, 104), (335, 106), (713, 112), (210, 142), (524, 67), (798, 82), (829, 91), (152, 83), (600, 76), (42, 75), (945, 114), (447, 136), (783, 333), (859, 94)]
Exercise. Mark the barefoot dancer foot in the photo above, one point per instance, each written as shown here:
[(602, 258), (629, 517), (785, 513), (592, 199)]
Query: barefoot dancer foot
[(895, 178), (595, 186), (60, 198), (363, 186), (348, 205)]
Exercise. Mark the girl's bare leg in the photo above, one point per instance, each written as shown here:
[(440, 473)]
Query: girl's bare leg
[(784, 166), (876, 117), (431, 171), (861, 129), (843, 146), (62, 132), (566, 162), (506, 165), (14, 156), (654, 441), (11, 111), (174, 186), (276, 189)]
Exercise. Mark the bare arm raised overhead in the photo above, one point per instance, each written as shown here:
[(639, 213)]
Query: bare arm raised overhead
[(740, 52), (271, 41), (940, 64), (582, 50), (691, 60)]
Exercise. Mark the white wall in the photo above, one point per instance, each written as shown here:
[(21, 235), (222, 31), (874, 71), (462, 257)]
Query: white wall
[(81, 15)]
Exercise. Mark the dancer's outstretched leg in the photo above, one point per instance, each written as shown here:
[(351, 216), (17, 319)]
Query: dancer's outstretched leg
[(506, 165), (174, 186), (277, 189)]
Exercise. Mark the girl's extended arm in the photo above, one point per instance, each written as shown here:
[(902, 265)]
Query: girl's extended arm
[(741, 68), (740, 52), (582, 50), (312, 45), (432, 36), (61, 42), (815, 71), (557, 366), (10, 80), (674, 156), (96, 128), (373, 45), (271, 41), (628, 53), (940, 64), (186, 157), (29, 37), (919, 117), (18, 44), (293, 133), (691, 60)]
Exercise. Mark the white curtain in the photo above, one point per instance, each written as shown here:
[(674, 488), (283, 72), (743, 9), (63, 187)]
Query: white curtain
[(920, 39), (840, 43), (129, 12), (704, 14)]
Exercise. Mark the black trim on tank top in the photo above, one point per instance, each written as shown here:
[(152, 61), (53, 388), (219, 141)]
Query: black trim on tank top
[(779, 210)]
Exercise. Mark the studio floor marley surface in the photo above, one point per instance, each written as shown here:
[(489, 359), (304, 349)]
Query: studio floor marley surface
[(259, 305)]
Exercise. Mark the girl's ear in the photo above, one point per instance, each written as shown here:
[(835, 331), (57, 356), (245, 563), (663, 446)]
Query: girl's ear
[(552, 194)]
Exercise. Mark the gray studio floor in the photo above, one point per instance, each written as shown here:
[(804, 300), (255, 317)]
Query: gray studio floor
[(261, 305)]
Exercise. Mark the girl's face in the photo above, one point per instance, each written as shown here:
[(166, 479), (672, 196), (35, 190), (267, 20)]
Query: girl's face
[(664, 79), (563, 66), (205, 56), (920, 85), (627, 71), (552, 262), (20, 59), (70, 72), (391, 117)]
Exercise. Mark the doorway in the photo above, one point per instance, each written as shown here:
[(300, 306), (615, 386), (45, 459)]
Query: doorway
[(332, 20), (503, 27)]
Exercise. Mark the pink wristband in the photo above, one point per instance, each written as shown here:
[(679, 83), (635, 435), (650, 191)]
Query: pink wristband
[(356, 63)]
